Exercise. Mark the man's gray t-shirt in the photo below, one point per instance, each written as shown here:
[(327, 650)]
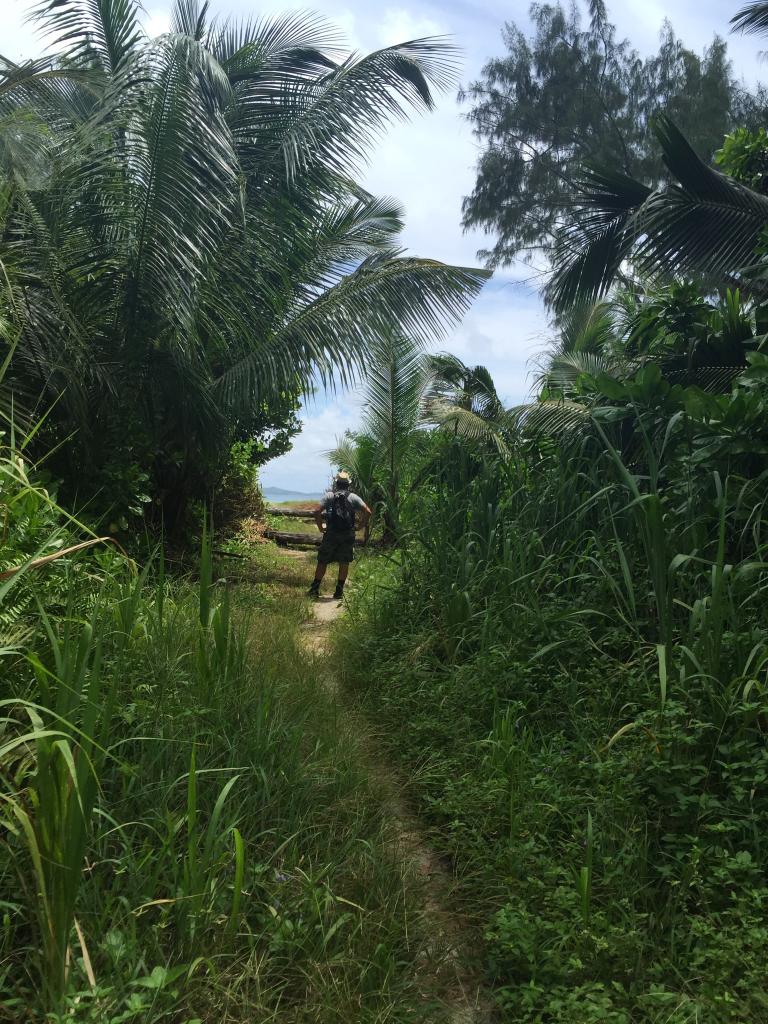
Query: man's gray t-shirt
[(355, 501)]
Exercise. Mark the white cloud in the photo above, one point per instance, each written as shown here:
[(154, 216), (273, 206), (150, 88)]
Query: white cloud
[(505, 331), (399, 25), (346, 22), (428, 164), (157, 21), (21, 39), (306, 466)]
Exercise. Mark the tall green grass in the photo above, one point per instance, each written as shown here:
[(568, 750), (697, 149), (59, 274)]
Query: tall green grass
[(570, 659), (189, 831)]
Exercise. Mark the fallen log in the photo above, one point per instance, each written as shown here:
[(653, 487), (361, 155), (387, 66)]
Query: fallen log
[(308, 540), (284, 537), (291, 513)]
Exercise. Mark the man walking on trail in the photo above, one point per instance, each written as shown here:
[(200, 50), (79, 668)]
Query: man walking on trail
[(335, 518)]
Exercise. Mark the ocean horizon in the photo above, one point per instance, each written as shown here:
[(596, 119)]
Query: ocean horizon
[(281, 494)]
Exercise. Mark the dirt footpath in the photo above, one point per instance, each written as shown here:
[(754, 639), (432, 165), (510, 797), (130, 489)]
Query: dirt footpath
[(446, 956)]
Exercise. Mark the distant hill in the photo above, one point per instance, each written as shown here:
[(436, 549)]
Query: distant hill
[(279, 495)]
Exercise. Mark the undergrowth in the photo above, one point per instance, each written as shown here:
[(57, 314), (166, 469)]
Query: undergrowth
[(188, 831), (601, 794)]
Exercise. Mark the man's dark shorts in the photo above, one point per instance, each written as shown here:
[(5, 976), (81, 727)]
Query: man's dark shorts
[(337, 546)]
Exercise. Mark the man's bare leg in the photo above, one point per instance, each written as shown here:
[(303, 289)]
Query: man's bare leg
[(314, 590), (343, 573)]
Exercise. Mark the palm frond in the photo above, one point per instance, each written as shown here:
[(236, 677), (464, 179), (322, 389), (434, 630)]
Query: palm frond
[(189, 18), (25, 145), (104, 32), (394, 389), (270, 45), (330, 123), (466, 424), (470, 387), (707, 224), (28, 76), (448, 368), (358, 454), (752, 18), (185, 169), (462, 400), (483, 386), (344, 455), (562, 419), (343, 237), (590, 251), (333, 335), (586, 327), (567, 369)]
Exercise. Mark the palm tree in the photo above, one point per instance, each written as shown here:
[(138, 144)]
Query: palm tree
[(691, 339), (383, 454), (586, 345), (406, 391), (463, 401), (193, 240), (702, 223), (396, 383), (358, 454)]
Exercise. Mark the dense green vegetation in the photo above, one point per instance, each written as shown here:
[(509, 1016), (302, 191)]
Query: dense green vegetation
[(185, 246), (569, 652), (569, 93), (189, 830), (564, 651), (571, 661), (407, 390)]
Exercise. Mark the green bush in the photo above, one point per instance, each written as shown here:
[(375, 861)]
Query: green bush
[(188, 830), (580, 701)]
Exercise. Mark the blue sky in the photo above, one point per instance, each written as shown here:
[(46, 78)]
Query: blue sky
[(428, 165)]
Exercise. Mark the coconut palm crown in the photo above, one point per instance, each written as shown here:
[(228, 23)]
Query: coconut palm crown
[(182, 235)]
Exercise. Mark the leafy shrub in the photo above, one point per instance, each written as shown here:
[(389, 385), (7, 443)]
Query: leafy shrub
[(574, 679), (188, 833)]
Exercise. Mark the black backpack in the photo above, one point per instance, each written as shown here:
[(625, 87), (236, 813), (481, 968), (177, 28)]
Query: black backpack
[(341, 515)]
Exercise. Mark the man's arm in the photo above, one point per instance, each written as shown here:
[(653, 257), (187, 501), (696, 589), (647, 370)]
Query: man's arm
[(318, 514), (367, 514)]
